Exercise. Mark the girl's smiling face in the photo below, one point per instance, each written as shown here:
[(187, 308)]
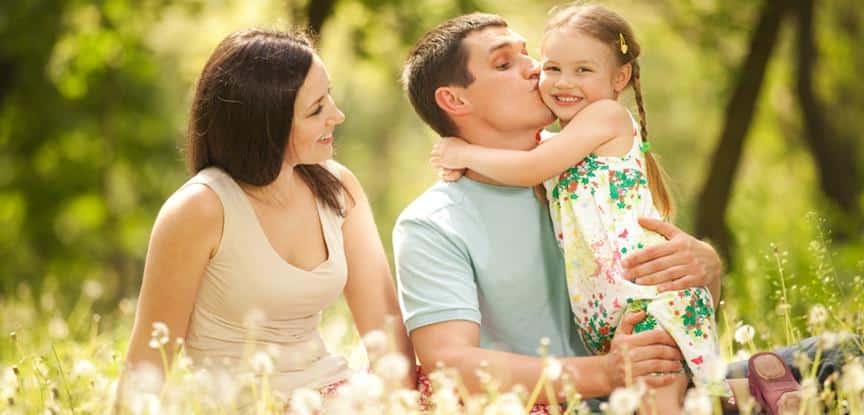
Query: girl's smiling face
[(577, 70)]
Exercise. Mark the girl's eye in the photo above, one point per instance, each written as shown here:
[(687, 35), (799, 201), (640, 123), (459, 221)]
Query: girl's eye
[(504, 66), (582, 69), (551, 69)]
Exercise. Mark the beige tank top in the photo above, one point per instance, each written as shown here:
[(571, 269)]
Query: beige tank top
[(251, 300)]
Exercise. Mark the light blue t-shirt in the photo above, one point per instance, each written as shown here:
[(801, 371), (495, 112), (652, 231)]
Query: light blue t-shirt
[(483, 253)]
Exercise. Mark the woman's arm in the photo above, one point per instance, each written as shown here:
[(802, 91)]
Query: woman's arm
[(186, 234), (597, 124), (370, 291)]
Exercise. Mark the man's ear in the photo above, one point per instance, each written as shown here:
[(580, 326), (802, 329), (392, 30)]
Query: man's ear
[(622, 77), (452, 100)]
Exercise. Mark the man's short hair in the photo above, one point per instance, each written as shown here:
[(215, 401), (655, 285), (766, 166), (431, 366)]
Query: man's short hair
[(439, 59)]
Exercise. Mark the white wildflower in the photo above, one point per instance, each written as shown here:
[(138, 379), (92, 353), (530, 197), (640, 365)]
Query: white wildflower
[(254, 318), (392, 367), (697, 402), (145, 404), (818, 316), (93, 289), (853, 378), (624, 401), (261, 363), (446, 401), (306, 401), (506, 404), (57, 328), (365, 387), (83, 368), (744, 334), (160, 333), (404, 401), (126, 306), (376, 342), (553, 368)]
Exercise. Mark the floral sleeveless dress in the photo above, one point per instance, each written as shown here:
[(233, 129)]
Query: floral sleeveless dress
[(595, 206)]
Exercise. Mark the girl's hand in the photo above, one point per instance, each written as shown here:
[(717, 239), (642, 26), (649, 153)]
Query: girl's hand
[(450, 153), (449, 175)]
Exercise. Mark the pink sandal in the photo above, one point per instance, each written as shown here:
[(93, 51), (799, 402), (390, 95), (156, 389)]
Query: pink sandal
[(769, 379)]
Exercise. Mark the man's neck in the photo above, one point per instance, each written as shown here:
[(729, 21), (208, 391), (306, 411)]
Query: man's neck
[(507, 140)]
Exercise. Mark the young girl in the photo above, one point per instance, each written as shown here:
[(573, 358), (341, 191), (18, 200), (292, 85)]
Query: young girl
[(589, 58)]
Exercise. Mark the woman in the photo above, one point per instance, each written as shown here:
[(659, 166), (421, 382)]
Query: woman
[(269, 231)]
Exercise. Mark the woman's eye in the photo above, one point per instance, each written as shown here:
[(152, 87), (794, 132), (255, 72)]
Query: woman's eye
[(551, 69), (317, 110), (504, 66)]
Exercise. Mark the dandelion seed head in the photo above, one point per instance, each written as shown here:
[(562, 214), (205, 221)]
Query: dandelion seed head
[(57, 328), (392, 367), (624, 401), (83, 368), (853, 377), (93, 289), (376, 343), (126, 306), (818, 315), (552, 368), (306, 401), (744, 334), (261, 363), (697, 402)]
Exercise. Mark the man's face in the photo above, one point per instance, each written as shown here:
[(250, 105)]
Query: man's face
[(504, 92)]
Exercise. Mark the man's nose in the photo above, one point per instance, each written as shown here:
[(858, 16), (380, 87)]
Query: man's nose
[(533, 71)]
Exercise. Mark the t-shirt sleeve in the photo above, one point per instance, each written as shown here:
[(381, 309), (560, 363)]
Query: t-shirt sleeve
[(434, 275)]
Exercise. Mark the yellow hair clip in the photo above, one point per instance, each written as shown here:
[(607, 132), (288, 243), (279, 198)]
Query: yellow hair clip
[(623, 43)]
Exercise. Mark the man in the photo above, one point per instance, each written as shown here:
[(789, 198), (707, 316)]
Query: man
[(481, 279)]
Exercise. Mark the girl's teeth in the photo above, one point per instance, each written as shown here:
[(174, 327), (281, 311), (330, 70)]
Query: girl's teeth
[(568, 99)]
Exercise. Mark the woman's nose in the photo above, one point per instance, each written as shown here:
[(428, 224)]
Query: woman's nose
[(337, 118)]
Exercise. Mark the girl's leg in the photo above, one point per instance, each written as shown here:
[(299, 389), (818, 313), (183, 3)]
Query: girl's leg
[(666, 400)]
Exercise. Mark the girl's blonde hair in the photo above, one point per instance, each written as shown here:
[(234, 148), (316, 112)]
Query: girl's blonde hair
[(610, 28)]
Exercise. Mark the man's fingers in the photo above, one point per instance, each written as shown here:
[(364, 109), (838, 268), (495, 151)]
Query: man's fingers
[(657, 381), (663, 228), (648, 254), (652, 337), (649, 367), (630, 320), (654, 353), (689, 281), (655, 265), (669, 274)]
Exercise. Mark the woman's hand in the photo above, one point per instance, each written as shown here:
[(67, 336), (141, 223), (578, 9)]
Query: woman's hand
[(450, 153)]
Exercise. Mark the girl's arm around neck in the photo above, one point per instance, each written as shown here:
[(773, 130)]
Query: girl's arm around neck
[(597, 124)]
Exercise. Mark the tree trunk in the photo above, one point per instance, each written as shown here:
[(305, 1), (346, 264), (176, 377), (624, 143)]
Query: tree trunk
[(834, 156), (318, 11), (714, 198)]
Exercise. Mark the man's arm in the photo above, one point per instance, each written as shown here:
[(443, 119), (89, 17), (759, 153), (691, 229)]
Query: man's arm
[(440, 306)]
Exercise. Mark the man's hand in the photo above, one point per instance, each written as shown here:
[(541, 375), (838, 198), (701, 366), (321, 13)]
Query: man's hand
[(646, 353), (681, 262)]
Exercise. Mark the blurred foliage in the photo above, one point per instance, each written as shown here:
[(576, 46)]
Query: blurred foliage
[(94, 97)]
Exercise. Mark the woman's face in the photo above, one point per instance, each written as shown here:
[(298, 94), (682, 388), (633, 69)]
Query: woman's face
[(315, 118)]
